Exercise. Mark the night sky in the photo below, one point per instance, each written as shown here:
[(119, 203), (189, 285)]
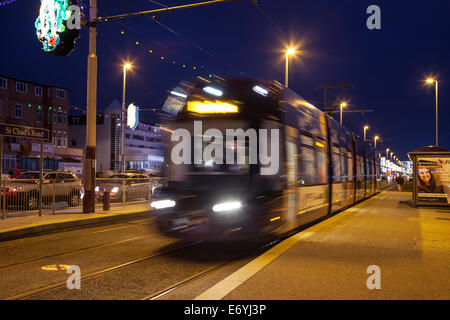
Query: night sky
[(387, 67)]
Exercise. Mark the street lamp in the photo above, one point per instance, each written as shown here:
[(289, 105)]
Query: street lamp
[(343, 105), (126, 66), (392, 154), (387, 153), (430, 81), (375, 141), (289, 51), (365, 128)]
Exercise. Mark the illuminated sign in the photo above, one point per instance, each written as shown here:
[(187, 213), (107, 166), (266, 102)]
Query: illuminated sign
[(132, 116), (50, 22), (211, 107)]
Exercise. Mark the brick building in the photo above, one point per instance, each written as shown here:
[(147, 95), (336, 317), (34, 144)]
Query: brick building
[(35, 105)]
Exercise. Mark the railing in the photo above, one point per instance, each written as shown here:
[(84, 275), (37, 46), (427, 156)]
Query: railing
[(66, 195)]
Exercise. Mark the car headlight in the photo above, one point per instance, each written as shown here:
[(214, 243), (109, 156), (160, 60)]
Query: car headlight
[(115, 190), (227, 206), (161, 204)]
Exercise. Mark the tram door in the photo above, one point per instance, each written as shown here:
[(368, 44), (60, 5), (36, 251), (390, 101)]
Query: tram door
[(291, 173)]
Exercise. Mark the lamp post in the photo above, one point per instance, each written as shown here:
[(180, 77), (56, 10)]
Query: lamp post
[(365, 129), (289, 52), (123, 124), (343, 105), (436, 84), (375, 141)]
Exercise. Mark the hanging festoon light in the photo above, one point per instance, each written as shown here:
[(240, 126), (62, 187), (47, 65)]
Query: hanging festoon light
[(52, 29)]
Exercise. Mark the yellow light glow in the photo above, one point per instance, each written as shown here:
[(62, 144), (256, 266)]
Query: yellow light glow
[(127, 66), (319, 144), (343, 105), (366, 127), (290, 51), (211, 107), (429, 80), (275, 219)]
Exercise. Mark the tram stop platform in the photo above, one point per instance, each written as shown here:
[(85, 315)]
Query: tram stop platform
[(382, 248)]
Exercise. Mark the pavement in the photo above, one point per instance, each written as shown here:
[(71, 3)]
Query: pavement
[(17, 225), (382, 248)]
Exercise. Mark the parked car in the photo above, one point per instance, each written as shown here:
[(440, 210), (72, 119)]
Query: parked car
[(57, 186), (132, 186), (14, 172)]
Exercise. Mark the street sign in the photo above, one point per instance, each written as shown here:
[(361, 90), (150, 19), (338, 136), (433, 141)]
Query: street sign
[(23, 132)]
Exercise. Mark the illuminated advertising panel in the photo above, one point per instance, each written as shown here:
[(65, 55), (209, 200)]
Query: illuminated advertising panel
[(132, 116), (433, 181)]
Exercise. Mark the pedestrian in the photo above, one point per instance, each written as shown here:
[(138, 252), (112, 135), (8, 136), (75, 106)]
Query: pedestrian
[(400, 182)]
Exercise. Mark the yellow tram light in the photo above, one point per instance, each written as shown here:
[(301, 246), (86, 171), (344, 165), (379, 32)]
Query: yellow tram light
[(211, 107)]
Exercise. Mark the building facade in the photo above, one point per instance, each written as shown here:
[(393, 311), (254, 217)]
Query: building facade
[(144, 146), (40, 106)]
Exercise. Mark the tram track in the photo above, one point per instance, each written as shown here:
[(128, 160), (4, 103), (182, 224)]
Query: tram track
[(91, 275)]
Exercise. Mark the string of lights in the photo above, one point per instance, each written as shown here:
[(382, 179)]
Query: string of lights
[(5, 2), (154, 19)]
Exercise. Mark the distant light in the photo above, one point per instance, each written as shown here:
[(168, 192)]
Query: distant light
[(161, 204), (343, 104), (430, 80), (260, 90), (127, 66), (213, 91), (178, 94), (115, 189), (97, 189), (227, 206), (211, 107)]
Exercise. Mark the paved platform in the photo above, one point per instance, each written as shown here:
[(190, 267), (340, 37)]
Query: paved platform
[(339, 257), (18, 225)]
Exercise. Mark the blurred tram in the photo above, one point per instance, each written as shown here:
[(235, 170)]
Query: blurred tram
[(323, 167)]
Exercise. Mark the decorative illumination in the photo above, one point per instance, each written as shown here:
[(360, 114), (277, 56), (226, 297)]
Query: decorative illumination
[(260, 90), (213, 91), (132, 116), (161, 204), (227, 206), (211, 107), (50, 22)]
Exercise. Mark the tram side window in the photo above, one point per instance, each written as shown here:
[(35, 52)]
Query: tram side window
[(350, 166), (307, 167), (321, 161), (337, 165), (344, 163)]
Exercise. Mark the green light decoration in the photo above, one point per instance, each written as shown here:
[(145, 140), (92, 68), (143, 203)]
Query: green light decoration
[(50, 22)]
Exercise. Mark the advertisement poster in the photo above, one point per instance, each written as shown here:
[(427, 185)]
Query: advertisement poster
[(433, 181)]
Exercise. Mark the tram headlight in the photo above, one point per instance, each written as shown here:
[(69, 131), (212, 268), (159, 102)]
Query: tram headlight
[(161, 204), (227, 206)]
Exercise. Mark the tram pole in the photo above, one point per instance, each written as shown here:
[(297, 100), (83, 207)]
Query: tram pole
[(89, 158)]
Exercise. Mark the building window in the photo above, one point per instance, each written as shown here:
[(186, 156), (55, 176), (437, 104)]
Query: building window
[(59, 116), (65, 118), (54, 117), (39, 115), (1, 107), (61, 94), (3, 83), (21, 87), (38, 91), (74, 142), (58, 139), (18, 110)]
